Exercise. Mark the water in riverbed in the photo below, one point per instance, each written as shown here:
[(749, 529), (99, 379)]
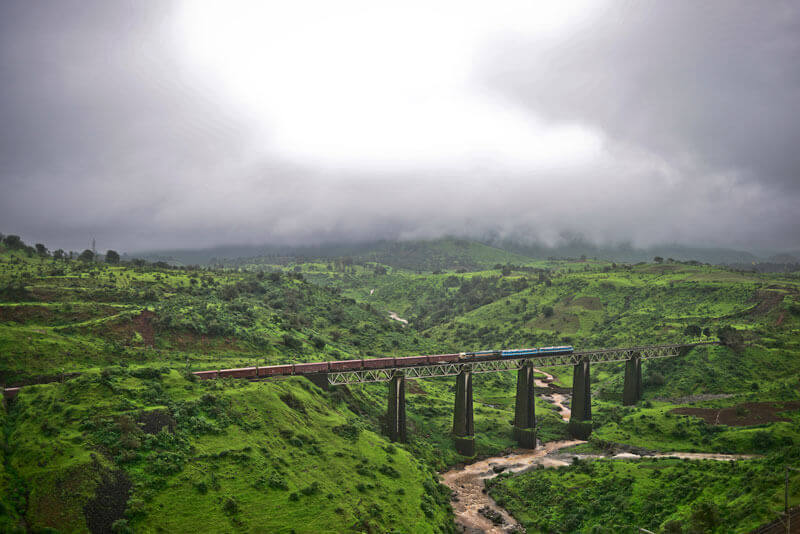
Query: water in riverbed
[(467, 482)]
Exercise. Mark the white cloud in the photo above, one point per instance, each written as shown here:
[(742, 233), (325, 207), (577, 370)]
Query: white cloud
[(360, 84)]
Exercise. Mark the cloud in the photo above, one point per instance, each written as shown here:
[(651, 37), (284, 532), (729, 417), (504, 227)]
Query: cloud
[(195, 124)]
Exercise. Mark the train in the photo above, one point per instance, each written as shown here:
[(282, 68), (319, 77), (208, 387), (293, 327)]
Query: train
[(514, 353), (375, 363)]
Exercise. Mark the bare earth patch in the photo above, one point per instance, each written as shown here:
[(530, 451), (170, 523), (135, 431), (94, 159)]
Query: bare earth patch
[(589, 303), (747, 414)]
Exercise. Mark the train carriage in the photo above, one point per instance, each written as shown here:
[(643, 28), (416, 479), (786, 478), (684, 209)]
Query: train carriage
[(306, 368), (378, 363), (347, 365), (275, 370), (240, 372), (410, 361), (443, 358)]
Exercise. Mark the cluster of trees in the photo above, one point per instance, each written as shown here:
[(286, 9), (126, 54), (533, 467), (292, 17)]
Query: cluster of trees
[(659, 259), (15, 242), (696, 331)]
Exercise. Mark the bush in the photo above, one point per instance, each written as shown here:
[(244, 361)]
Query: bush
[(230, 506), (389, 471), (311, 490), (291, 342), (347, 431), (730, 337), (120, 526), (318, 343), (655, 379), (276, 481)]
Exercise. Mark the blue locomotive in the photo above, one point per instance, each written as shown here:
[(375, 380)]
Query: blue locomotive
[(515, 353)]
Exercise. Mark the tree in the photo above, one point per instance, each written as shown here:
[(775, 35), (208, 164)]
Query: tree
[(704, 518), (112, 257), (58, 254), (13, 242), (693, 330), (41, 250), (673, 527), (547, 311), (658, 259), (87, 256), (730, 337)]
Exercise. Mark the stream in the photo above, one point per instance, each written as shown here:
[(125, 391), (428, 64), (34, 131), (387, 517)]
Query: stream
[(467, 482)]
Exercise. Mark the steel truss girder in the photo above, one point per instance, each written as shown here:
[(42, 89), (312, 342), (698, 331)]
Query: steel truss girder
[(510, 364)]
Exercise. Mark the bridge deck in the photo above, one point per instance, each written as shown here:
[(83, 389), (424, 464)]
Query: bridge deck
[(382, 369)]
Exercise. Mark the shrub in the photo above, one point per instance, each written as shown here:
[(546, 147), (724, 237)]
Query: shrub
[(230, 506), (347, 431), (291, 342), (311, 490), (120, 526), (276, 481), (318, 343)]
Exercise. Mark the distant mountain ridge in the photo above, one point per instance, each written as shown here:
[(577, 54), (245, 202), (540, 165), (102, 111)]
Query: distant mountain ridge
[(451, 253), (628, 254)]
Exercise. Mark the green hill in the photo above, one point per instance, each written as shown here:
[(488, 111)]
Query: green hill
[(124, 435), (208, 457)]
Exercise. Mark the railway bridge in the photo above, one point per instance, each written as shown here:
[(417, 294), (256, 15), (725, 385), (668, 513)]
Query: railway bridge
[(396, 370)]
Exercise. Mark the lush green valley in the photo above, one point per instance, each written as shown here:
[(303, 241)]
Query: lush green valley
[(112, 432)]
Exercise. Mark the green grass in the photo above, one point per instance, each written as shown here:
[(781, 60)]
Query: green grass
[(284, 452)]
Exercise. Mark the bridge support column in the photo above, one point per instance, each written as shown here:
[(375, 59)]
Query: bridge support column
[(632, 390), (463, 424), (580, 421), (525, 408), (396, 413)]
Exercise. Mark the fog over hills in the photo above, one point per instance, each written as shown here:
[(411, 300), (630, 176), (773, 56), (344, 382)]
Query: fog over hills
[(499, 251)]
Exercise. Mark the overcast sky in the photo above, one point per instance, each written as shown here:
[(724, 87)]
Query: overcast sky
[(176, 125)]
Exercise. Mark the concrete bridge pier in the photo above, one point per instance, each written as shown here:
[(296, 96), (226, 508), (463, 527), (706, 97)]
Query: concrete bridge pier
[(463, 423), (525, 408), (632, 390), (580, 421), (396, 412)]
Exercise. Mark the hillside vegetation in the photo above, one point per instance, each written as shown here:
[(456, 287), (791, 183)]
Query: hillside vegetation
[(117, 433)]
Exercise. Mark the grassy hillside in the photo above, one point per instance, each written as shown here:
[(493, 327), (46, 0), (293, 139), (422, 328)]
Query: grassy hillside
[(123, 429), (661, 495), (209, 457)]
